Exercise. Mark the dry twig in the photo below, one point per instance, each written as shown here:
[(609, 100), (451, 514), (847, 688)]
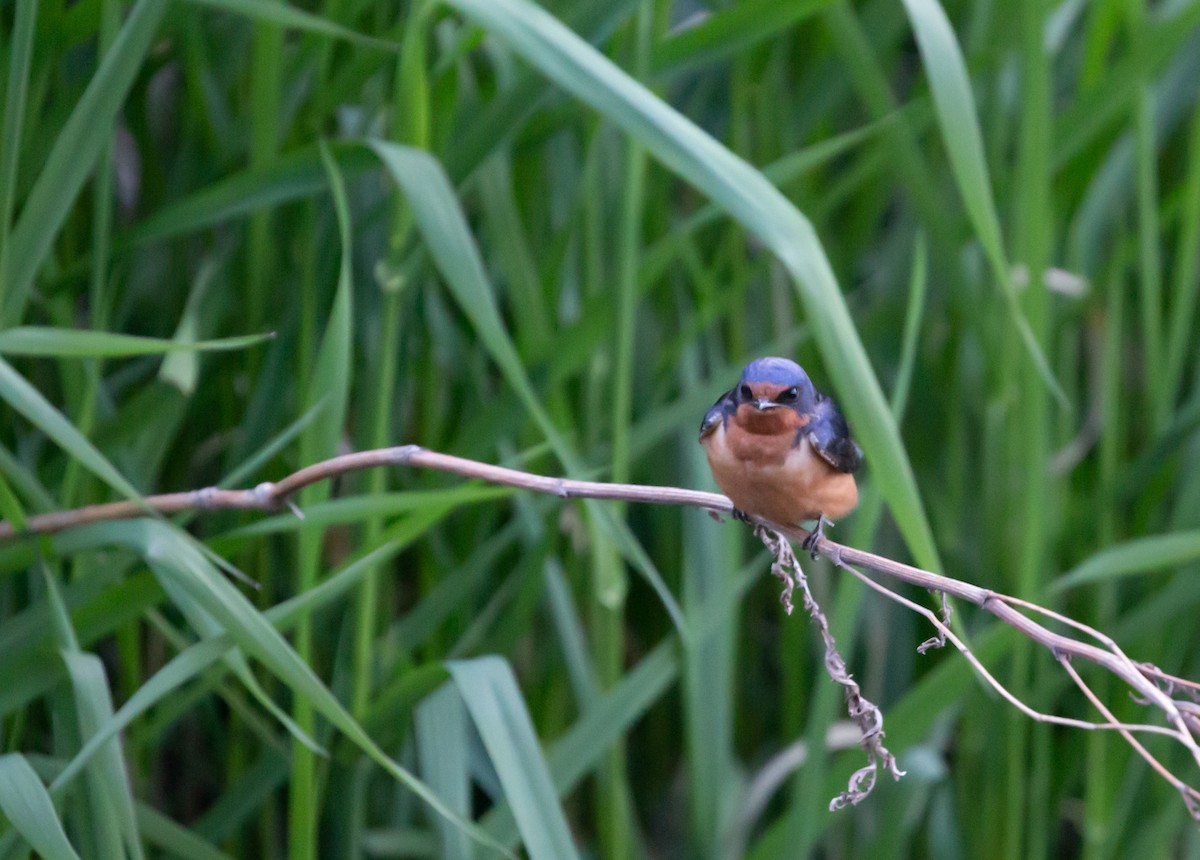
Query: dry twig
[(1148, 684), (864, 713)]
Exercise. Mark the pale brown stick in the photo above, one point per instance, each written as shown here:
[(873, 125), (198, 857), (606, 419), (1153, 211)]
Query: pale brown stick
[(1141, 678), (1191, 797), (273, 496), (944, 632)]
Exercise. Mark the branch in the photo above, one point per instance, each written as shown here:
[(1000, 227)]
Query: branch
[(1149, 685), (863, 712)]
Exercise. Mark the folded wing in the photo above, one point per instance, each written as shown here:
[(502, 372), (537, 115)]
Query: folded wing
[(830, 436), (722, 409)]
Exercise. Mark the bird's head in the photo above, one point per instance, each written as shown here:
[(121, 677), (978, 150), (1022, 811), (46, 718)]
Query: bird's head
[(773, 395)]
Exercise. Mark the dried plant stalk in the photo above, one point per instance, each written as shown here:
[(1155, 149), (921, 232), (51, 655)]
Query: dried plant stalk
[(864, 713), (1173, 699)]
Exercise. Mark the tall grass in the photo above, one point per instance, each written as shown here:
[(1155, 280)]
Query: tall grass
[(550, 237)]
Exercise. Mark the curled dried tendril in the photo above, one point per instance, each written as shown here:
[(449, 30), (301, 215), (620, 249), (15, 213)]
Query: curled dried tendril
[(863, 712)]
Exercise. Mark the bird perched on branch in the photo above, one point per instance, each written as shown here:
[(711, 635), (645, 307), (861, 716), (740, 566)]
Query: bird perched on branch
[(780, 449)]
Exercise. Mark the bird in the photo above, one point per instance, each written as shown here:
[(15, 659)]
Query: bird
[(781, 450)]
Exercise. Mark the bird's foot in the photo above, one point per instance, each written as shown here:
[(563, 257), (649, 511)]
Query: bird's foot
[(739, 514), (809, 544)]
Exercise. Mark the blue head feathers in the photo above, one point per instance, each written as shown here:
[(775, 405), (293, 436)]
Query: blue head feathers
[(775, 371)]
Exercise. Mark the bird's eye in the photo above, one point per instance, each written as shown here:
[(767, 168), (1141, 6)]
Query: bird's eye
[(788, 396), (745, 393)]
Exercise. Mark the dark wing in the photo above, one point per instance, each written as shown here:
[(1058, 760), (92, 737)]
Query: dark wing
[(721, 410), (830, 436)]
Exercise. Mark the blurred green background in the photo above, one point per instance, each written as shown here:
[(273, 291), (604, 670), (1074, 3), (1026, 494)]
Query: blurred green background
[(549, 238)]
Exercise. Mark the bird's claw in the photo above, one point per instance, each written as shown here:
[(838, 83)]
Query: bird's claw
[(741, 515), (809, 544)]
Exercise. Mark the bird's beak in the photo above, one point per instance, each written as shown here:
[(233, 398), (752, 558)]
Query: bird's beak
[(763, 404)]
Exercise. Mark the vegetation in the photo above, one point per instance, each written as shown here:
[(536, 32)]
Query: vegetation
[(351, 224)]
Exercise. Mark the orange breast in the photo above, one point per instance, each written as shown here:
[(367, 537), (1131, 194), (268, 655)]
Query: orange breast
[(765, 475)]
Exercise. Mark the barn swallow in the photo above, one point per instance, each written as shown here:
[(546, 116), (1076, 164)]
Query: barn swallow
[(780, 449)]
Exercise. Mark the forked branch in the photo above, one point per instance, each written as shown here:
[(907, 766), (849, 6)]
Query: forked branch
[(1172, 697)]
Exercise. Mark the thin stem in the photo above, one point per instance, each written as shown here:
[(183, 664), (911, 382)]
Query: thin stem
[(1143, 679)]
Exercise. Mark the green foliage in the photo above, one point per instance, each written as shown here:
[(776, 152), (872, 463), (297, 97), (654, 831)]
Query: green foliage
[(237, 236), (27, 806)]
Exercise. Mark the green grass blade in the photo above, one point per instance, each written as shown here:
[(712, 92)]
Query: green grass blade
[(185, 572), (181, 367), (442, 749), (955, 105), (1187, 265), (196, 658), (572, 641), (24, 398), (331, 376), (1095, 111), (1150, 287), (490, 691), (63, 631), (729, 30), (250, 793), (110, 794), (915, 312), (179, 670), (79, 343), (743, 192), (856, 58), (1142, 555), (200, 618), (660, 255), (293, 18), (445, 230), (709, 663), (268, 451), (451, 592), (16, 92), (609, 716), (26, 804), (957, 117), (330, 382), (295, 176), (73, 155), (174, 838), (516, 264), (25, 482), (500, 119)]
